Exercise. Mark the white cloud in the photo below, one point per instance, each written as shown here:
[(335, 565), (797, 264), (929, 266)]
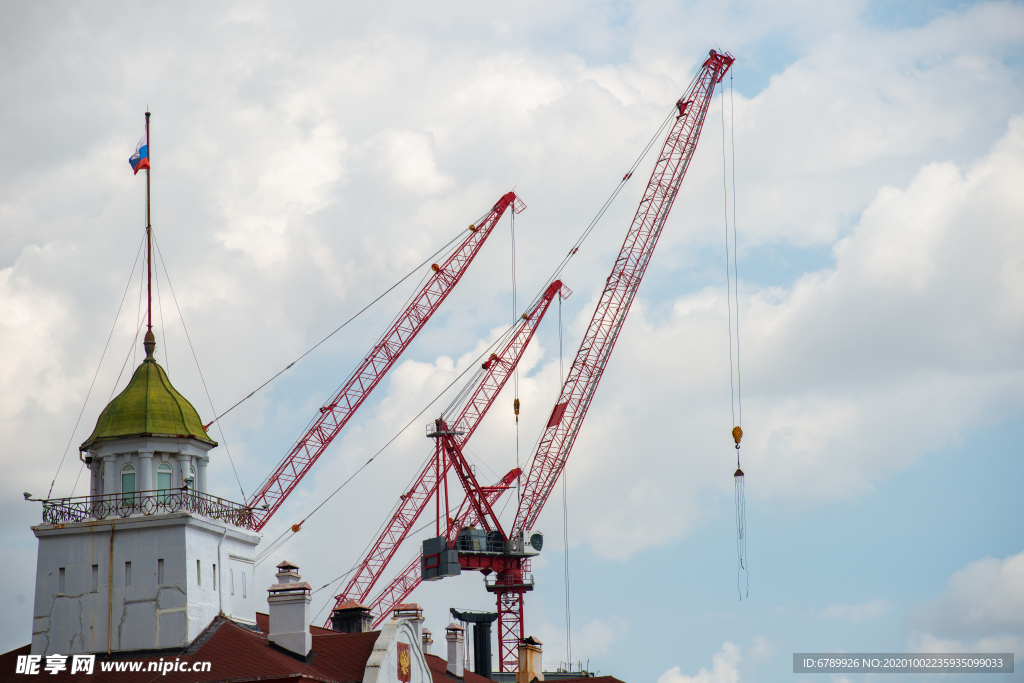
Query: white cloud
[(306, 160), (981, 609), (850, 375), (724, 669)]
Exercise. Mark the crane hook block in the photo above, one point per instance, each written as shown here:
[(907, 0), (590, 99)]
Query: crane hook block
[(472, 228), (737, 434), (525, 317), (436, 268), (296, 527)]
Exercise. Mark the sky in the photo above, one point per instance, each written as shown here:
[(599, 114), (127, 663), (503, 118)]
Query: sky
[(307, 157)]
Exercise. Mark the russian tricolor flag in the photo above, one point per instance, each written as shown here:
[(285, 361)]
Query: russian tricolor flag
[(140, 159)]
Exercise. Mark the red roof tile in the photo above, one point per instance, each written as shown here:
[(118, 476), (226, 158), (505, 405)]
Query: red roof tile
[(235, 653)]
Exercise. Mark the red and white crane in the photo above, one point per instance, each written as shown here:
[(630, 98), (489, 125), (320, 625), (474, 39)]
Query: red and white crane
[(337, 412), (432, 480), (511, 566)]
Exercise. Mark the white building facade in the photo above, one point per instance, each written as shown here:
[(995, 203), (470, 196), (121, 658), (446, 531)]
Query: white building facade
[(149, 558)]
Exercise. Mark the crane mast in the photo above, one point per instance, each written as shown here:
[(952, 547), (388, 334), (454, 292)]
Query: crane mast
[(493, 375), (335, 414)]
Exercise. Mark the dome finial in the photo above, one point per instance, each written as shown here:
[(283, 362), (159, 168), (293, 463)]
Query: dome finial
[(149, 344)]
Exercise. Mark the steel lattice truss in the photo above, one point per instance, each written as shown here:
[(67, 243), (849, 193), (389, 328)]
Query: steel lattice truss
[(620, 288), (337, 412), (493, 376), (411, 576)]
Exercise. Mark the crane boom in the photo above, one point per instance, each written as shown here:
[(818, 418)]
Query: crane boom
[(620, 288), (337, 412), (411, 576), (492, 378)]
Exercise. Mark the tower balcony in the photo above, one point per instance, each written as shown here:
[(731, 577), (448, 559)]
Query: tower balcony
[(146, 503)]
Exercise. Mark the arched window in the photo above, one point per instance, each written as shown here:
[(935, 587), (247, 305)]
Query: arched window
[(128, 482), (163, 483)]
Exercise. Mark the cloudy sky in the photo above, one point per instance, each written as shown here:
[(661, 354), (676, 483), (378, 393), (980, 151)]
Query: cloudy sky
[(307, 157)]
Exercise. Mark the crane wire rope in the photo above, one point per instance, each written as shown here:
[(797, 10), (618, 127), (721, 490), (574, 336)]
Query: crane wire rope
[(444, 250), (188, 338), (283, 537), (732, 296), (515, 372), (96, 374), (601, 212), (339, 578), (565, 512), (340, 327)]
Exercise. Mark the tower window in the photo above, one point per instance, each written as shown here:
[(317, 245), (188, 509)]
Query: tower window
[(243, 583), (214, 577), (163, 483), (95, 578), (199, 574), (127, 574), (160, 572), (231, 576), (61, 581), (128, 482)]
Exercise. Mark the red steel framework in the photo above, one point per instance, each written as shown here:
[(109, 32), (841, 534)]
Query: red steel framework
[(592, 358), (494, 373), (512, 578), (337, 412), (619, 290), (411, 576)]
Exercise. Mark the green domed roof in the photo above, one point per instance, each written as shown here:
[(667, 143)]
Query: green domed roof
[(148, 406)]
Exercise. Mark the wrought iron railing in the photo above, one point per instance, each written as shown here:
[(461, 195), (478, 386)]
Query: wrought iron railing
[(81, 508)]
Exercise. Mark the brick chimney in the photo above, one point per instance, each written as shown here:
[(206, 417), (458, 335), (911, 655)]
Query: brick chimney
[(351, 617), (427, 641), (288, 602), (456, 637), (530, 665)]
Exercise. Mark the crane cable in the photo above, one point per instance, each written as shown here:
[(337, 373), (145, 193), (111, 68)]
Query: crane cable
[(358, 313), (565, 511), (735, 385), (515, 371), (557, 272), (283, 538)]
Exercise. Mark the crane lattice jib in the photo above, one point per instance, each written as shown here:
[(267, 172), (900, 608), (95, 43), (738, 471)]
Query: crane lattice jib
[(499, 368), (620, 288), (337, 412), (411, 576)]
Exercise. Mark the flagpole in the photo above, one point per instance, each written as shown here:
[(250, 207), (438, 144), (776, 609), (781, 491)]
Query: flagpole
[(149, 241)]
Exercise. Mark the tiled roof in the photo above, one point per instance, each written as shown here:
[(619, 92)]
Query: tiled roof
[(235, 654), (439, 672), (238, 654)]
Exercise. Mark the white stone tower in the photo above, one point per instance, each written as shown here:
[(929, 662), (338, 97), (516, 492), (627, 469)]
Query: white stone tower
[(149, 558)]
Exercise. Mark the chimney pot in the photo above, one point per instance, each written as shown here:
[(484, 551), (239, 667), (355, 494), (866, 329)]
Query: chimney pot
[(288, 607), (456, 637), (412, 613), (427, 641), (530, 664), (351, 617)]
